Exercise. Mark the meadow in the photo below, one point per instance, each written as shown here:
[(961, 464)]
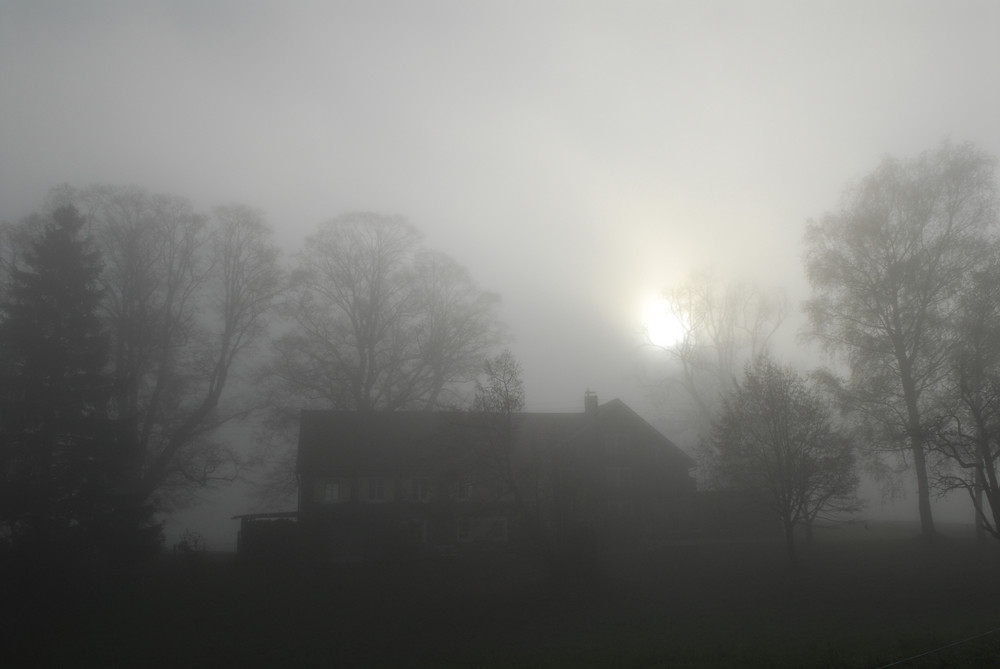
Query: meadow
[(861, 598)]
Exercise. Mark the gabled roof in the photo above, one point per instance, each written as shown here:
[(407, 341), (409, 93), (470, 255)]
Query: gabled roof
[(617, 411), (406, 440)]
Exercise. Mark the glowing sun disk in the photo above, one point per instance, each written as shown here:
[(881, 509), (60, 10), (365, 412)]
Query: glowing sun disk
[(662, 327)]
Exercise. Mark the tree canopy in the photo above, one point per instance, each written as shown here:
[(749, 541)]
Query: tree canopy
[(967, 427), (380, 323), (774, 440), (723, 326), (374, 321), (886, 271)]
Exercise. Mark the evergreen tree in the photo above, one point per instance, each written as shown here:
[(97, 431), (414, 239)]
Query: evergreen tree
[(58, 436)]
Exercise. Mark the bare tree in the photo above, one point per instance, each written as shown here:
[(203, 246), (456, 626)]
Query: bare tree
[(376, 322), (15, 243), (379, 323), (456, 323), (723, 326), (967, 434), (493, 417), (490, 429), (774, 440), (885, 271), (186, 297)]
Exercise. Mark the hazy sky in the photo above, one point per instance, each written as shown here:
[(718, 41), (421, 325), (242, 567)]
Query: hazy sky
[(576, 156)]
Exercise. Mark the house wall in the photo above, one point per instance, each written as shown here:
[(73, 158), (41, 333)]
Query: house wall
[(617, 479), (377, 517)]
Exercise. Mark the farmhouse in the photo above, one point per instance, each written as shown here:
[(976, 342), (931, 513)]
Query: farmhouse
[(409, 483)]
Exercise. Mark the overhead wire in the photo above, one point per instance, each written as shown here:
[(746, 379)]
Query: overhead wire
[(937, 650)]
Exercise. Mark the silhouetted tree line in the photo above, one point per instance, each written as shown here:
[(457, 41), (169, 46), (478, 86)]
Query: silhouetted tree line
[(906, 301), (112, 374), (903, 279), (375, 321), (63, 452), (132, 328), (774, 439)]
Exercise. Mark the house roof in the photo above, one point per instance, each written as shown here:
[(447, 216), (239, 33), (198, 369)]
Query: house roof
[(406, 440)]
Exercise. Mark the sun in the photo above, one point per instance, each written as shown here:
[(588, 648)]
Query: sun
[(662, 326)]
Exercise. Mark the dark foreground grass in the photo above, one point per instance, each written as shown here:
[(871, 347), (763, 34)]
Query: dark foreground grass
[(853, 603)]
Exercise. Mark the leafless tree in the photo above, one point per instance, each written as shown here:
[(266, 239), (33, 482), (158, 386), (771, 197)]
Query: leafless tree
[(456, 324), (493, 418), (967, 433), (15, 239), (723, 327), (774, 439), (885, 271), (376, 322), (186, 297), (379, 323), (490, 430)]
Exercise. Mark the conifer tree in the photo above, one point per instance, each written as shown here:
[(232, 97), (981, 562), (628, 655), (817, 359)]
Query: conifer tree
[(58, 435)]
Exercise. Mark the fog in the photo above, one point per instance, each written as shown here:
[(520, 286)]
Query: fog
[(576, 157)]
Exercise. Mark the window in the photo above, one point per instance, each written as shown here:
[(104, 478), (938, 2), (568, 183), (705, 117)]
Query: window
[(331, 493), (464, 488), (614, 443), (376, 490)]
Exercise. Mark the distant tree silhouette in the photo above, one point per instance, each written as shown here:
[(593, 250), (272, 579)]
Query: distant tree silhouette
[(491, 427), (381, 323), (967, 432), (886, 271), (184, 299), (61, 444), (377, 323), (493, 417), (774, 440), (15, 241), (187, 297), (723, 326)]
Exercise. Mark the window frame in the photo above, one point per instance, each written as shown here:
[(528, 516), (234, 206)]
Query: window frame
[(376, 489)]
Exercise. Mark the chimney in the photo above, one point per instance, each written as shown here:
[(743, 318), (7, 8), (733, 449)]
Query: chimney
[(590, 404)]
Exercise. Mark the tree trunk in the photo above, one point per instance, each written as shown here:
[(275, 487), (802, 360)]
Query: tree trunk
[(910, 396), (923, 488), (793, 562), (977, 507)]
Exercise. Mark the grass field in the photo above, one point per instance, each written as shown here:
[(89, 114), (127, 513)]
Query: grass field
[(862, 598)]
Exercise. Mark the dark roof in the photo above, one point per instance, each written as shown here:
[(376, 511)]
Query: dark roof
[(403, 440)]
